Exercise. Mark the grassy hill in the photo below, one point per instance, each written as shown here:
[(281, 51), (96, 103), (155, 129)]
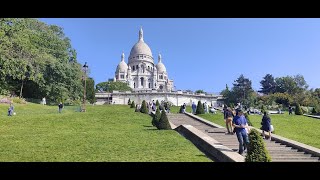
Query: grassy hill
[(103, 133)]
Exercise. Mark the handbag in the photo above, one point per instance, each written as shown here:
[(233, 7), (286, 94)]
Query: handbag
[(271, 128)]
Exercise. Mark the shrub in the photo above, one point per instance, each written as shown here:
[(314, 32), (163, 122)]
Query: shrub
[(200, 109), (263, 109), (298, 110), (129, 102), (144, 108), (156, 118), (132, 105), (137, 109), (18, 100), (304, 110), (314, 111), (181, 109), (164, 122), (157, 103), (248, 119), (257, 151)]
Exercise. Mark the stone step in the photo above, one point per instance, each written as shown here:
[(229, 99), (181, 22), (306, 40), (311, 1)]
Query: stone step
[(294, 160), (290, 155)]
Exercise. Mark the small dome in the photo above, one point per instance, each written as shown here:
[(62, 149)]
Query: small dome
[(160, 66), (122, 65)]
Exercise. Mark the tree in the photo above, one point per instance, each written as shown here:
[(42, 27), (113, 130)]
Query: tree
[(298, 110), (156, 118), (242, 89), (37, 60), (268, 84), (282, 98), (90, 92), (144, 108), (199, 91), (112, 86), (257, 151), (132, 105), (157, 103), (200, 109), (164, 122)]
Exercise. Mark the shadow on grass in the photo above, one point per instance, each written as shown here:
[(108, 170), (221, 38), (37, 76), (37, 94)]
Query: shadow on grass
[(147, 126)]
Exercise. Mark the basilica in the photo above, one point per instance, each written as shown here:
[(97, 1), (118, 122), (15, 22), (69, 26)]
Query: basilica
[(141, 73)]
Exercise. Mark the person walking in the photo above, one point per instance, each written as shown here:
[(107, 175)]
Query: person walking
[(266, 125), (290, 110), (44, 102), (194, 108), (60, 107), (229, 117), (10, 110), (240, 124)]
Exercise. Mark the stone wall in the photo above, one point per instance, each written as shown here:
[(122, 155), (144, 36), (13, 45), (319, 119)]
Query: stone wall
[(177, 98)]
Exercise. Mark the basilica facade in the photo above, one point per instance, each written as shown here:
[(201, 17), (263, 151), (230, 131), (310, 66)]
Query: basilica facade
[(141, 73)]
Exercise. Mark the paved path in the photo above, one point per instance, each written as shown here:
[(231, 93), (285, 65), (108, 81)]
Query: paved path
[(278, 151)]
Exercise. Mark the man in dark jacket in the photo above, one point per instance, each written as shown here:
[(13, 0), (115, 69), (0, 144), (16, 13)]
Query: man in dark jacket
[(60, 107)]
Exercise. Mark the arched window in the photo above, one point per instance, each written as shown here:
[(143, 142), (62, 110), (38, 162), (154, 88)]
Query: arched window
[(155, 84), (161, 87), (149, 85), (134, 85), (142, 67), (133, 68), (137, 67), (142, 79)]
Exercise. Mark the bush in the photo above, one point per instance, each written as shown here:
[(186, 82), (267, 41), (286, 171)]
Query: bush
[(181, 109), (314, 111), (129, 102), (137, 109), (132, 105), (304, 110), (144, 108), (164, 122), (248, 119), (157, 103), (200, 109), (263, 109), (298, 110), (257, 151), (156, 118), (18, 100)]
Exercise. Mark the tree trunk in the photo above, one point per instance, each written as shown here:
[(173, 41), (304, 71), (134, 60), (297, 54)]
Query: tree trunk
[(21, 89)]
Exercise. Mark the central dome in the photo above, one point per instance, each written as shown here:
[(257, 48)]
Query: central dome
[(140, 51)]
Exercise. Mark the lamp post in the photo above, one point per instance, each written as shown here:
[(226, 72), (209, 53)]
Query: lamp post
[(84, 68)]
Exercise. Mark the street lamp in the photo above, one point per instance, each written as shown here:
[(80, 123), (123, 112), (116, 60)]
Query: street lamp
[(84, 69)]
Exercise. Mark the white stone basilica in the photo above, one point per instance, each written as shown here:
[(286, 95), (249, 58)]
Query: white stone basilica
[(141, 73)]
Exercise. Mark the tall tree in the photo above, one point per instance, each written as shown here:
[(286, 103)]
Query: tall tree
[(90, 93), (268, 84), (242, 89)]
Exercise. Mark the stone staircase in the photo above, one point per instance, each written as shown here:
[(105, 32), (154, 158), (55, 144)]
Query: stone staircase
[(278, 152)]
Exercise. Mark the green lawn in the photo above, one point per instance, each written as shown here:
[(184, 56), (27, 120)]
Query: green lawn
[(103, 133), (299, 128)]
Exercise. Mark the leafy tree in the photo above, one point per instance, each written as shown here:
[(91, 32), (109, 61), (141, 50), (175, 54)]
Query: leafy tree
[(282, 98), (199, 91), (156, 118), (132, 105), (164, 122), (268, 84), (144, 108), (314, 111), (199, 109), (242, 89), (90, 93), (35, 61), (257, 151), (110, 86), (298, 110)]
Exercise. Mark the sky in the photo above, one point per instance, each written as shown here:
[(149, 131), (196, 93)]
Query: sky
[(201, 53)]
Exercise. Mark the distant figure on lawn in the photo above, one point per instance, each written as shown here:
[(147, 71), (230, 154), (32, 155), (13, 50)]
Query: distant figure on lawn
[(44, 102), (60, 107), (290, 110), (266, 123), (10, 110)]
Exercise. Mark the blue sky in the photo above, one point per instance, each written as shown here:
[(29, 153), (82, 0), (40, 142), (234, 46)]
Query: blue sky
[(201, 53)]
